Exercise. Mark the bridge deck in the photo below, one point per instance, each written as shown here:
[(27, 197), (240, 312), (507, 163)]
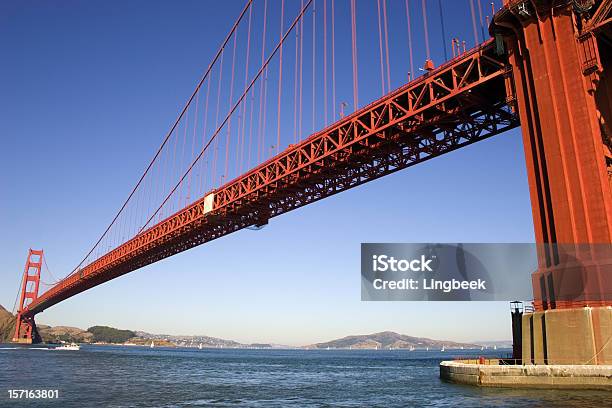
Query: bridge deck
[(459, 103)]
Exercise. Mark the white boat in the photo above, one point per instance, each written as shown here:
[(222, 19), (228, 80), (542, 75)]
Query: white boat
[(68, 347), (442, 348), (494, 347), (427, 348), (481, 348), (411, 348), (200, 346), (152, 344)]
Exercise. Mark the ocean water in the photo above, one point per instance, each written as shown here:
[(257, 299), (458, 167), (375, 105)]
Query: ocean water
[(108, 376)]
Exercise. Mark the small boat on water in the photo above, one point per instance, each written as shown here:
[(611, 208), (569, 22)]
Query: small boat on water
[(442, 348), (152, 344), (68, 347), (200, 346)]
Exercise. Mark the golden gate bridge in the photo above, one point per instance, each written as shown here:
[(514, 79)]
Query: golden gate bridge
[(277, 122)]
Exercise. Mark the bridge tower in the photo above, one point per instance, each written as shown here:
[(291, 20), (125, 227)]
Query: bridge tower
[(25, 327), (561, 54)]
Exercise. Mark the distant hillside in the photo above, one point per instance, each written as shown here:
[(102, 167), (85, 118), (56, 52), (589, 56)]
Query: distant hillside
[(191, 341), (64, 333), (104, 334), (7, 325), (388, 340), (107, 334)]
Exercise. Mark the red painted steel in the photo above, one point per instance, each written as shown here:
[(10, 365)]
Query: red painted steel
[(556, 63), (563, 94), (25, 328), (457, 104)]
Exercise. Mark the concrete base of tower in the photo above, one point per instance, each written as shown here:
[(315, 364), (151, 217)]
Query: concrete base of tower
[(561, 348), (581, 336), (22, 341), (491, 374)]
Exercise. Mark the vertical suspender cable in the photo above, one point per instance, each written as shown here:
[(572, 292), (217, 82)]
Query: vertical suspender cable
[(354, 52), (325, 60), (409, 39), (205, 125), (443, 30), (265, 114), (179, 196), (314, 60), (387, 45), (474, 22), (300, 127), (251, 128), (380, 50), (246, 78), (216, 150), (480, 19), (173, 165), (280, 79), (262, 83), (333, 58), (195, 121), (295, 86), (426, 30), (229, 122)]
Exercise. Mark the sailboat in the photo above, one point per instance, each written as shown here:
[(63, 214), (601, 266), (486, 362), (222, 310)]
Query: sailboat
[(200, 346), (411, 348), (481, 348), (442, 348), (427, 348), (152, 344), (494, 347)]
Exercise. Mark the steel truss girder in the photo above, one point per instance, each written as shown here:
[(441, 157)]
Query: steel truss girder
[(459, 103)]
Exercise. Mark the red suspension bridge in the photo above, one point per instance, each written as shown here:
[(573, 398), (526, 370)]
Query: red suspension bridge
[(247, 147)]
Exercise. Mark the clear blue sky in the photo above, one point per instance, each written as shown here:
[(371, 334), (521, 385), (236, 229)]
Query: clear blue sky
[(88, 90)]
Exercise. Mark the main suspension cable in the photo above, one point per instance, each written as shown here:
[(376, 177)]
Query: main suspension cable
[(214, 136), (176, 122)]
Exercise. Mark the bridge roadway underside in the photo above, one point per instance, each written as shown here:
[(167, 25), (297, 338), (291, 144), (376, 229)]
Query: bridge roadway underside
[(459, 103)]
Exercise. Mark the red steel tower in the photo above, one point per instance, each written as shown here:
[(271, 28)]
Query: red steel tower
[(25, 328), (560, 52)]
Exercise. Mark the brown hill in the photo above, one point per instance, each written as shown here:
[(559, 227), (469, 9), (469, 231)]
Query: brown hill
[(7, 325), (64, 333), (389, 340)]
